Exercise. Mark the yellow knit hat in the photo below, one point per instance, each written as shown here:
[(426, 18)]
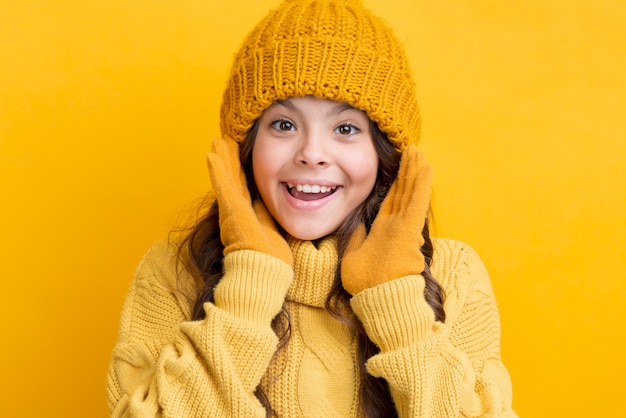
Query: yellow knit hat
[(333, 49)]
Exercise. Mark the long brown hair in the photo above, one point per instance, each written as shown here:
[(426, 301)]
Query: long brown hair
[(201, 253)]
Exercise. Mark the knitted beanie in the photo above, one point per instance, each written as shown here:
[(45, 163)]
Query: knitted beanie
[(333, 49)]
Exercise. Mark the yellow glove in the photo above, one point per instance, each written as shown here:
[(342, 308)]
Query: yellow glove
[(392, 248), (242, 224)]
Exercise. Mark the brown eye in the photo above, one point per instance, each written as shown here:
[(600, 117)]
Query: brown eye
[(346, 129), (283, 125)]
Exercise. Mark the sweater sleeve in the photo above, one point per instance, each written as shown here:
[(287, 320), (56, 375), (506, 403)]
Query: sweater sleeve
[(165, 365), (436, 369)]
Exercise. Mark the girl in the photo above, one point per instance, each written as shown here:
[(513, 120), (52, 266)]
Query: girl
[(311, 287)]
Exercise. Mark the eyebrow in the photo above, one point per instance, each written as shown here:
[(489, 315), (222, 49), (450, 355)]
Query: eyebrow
[(286, 103), (341, 107)]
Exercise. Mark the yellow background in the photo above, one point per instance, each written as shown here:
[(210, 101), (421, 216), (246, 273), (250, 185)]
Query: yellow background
[(107, 108)]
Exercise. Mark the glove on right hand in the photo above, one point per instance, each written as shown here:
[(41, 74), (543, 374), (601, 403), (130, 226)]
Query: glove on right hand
[(242, 224)]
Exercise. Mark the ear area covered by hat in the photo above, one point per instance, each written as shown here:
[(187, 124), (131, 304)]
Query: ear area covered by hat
[(333, 49)]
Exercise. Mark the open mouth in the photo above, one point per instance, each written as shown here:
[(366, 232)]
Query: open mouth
[(310, 191)]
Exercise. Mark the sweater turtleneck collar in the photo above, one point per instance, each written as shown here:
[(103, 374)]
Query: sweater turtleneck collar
[(314, 270)]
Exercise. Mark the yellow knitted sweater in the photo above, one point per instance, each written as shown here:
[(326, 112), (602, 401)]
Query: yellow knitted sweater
[(165, 365)]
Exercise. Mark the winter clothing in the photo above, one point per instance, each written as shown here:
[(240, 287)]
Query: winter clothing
[(333, 49), (164, 364)]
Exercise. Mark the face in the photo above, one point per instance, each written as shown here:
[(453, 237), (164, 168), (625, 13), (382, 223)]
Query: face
[(314, 162)]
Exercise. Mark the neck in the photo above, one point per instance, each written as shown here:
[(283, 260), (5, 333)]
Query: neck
[(314, 270)]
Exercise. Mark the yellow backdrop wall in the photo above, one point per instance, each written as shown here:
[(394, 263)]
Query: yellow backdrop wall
[(107, 108)]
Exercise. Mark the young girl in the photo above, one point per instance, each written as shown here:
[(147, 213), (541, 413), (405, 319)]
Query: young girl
[(311, 287)]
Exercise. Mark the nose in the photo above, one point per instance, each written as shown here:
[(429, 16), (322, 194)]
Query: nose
[(313, 150)]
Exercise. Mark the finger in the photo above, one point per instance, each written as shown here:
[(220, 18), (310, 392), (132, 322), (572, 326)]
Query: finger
[(418, 200), (234, 150), (214, 165), (406, 178), (231, 154), (389, 203), (423, 181), (220, 147), (217, 173), (424, 188), (394, 199), (228, 150)]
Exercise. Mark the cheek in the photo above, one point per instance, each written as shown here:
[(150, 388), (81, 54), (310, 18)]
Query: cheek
[(363, 170), (367, 171), (266, 166), (262, 164)]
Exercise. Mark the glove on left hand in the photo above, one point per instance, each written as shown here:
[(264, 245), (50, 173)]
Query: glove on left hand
[(393, 247)]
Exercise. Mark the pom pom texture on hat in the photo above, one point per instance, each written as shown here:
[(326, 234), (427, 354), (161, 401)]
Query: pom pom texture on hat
[(333, 49)]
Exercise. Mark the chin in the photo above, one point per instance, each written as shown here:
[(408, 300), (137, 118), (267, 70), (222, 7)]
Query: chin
[(307, 233), (307, 236)]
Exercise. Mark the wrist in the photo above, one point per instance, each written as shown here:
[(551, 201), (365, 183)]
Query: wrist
[(254, 285), (395, 314)]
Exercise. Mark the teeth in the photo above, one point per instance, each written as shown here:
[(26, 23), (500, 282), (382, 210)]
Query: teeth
[(311, 188)]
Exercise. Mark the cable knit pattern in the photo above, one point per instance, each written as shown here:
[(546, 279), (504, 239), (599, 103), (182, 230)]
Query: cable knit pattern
[(166, 365), (461, 373)]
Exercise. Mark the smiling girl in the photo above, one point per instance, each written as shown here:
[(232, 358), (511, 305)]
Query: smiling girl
[(311, 287), (313, 162)]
